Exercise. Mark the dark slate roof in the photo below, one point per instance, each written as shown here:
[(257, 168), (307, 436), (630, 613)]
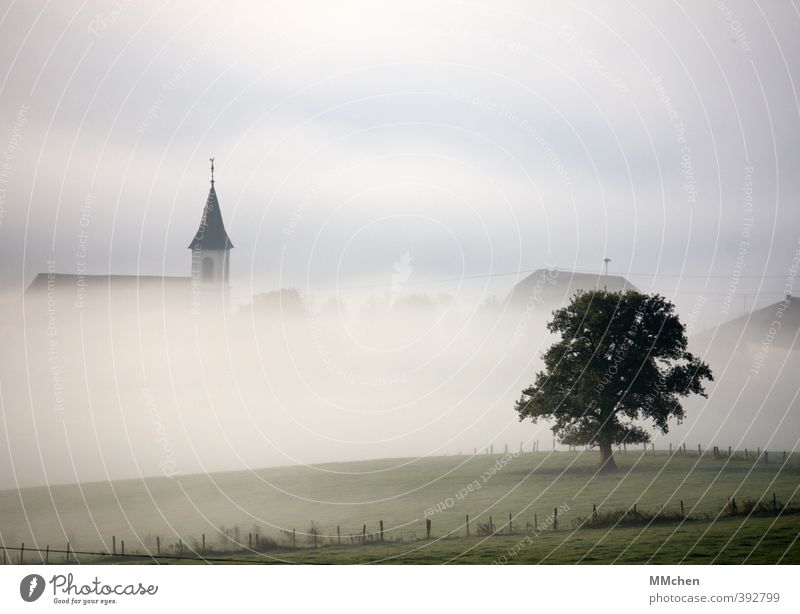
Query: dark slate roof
[(43, 281), (65, 296), (757, 328), (122, 294), (558, 286), (211, 233)]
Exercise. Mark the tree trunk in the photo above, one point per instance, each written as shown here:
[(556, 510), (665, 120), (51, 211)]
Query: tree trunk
[(607, 457)]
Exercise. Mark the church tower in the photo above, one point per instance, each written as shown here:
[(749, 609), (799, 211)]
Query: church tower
[(211, 248)]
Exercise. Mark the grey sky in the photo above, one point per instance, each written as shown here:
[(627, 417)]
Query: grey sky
[(480, 138)]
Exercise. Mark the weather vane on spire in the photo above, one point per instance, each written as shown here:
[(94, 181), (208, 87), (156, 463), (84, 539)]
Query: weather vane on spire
[(212, 170)]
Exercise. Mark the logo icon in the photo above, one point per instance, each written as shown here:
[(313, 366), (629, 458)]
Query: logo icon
[(31, 587)]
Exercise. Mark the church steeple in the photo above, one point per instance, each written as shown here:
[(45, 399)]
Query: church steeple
[(211, 244), (211, 234)]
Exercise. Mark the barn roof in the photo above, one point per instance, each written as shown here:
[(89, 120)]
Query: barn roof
[(558, 286)]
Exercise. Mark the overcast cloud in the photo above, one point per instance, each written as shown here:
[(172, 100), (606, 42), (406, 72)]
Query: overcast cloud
[(482, 138)]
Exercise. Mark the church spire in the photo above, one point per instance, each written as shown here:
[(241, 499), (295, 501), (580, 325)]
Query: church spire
[(211, 233)]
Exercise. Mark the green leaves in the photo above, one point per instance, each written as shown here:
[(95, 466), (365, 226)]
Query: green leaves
[(621, 358)]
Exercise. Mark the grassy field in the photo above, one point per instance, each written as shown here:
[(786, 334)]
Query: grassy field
[(728, 541), (403, 493)]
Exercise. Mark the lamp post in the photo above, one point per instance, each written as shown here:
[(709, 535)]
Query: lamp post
[(606, 261)]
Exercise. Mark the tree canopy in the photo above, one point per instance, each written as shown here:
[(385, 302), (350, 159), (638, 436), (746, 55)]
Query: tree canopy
[(621, 360)]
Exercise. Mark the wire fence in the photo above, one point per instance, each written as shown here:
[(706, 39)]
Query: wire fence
[(266, 550)]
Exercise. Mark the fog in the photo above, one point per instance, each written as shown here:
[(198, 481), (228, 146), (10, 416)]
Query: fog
[(120, 389), (388, 172), (131, 378)]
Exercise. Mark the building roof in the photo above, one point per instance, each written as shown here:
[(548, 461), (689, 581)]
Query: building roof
[(211, 234), (47, 281), (555, 286), (126, 293), (777, 325)]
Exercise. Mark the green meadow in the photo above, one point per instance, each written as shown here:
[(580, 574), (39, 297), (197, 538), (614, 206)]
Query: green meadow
[(332, 513)]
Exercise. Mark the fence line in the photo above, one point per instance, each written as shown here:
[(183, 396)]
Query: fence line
[(765, 506), (75, 553), (715, 452)]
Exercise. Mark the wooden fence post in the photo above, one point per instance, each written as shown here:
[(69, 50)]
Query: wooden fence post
[(467, 525), (535, 522), (381, 524), (510, 530), (670, 448), (204, 542), (594, 514), (746, 455), (114, 544), (699, 451), (766, 456), (122, 547), (294, 538), (555, 518), (682, 509), (338, 535), (47, 555), (22, 554), (158, 545), (249, 540), (67, 553), (428, 527)]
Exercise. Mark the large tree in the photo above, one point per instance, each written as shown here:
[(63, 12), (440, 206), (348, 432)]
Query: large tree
[(621, 360)]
